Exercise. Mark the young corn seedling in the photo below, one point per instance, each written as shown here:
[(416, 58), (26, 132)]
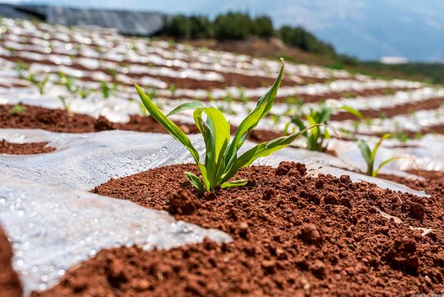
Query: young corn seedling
[(318, 118), (68, 81), (20, 68), (66, 105), (41, 84), (84, 92), (16, 109), (107, 91), (221, 156), (370, 155), (173, 90)]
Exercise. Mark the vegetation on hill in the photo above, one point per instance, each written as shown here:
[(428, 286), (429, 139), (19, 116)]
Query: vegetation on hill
[(239, 27)]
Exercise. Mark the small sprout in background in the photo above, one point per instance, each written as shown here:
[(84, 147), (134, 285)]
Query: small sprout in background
[(210, 96), (221, 155), (50, 48), (356, 125), (78, 49), (228, 98), (113, 72), (370, 155), (171, 43), (68, 81), (349, 94), (133, 46), (20, 68), (16, 109), (276, 120), (107, 90), (84, 92), (368, 122), (100, 51), (66, 105), (173, 90), (418, 135), (400, 135), (151, 93), (294, 106), (352, 111), (40, 84), (315, 137), (388, 92), (242, 96)]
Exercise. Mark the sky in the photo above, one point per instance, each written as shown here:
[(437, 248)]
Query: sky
[(367, 29)]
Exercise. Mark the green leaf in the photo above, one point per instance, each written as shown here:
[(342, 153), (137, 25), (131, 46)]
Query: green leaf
[(235, 183), (250, 122), (375, 173), (353, 111), (216, 134), (170, 126), (367, 155), (378, 144), (261, 150), (324, 114), (195, 181), (186, 106)]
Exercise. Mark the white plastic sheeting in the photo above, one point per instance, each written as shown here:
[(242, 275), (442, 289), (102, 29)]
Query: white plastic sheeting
[(83, 161), (54, 226), (54, 229), (425, 153)]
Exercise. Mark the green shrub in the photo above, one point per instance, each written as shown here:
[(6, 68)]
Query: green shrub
[(233, 26), (189, 27), (301, 38), (263, 27)]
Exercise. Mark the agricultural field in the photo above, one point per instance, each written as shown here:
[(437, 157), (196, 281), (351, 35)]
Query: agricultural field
[(350, 203)]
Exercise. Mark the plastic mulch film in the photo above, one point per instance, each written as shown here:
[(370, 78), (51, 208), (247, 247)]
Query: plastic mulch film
[(83, 161), (54, 229), (54, 226)]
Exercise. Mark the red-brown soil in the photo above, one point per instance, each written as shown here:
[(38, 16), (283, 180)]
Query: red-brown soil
[(293, 235), (24, 148), (392, 111), (9, 282), (57, 120)]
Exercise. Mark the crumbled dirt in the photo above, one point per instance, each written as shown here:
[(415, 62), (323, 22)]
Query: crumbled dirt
[(31, 148), (390, 112), (9, 282), (293, 235), (56, 120)]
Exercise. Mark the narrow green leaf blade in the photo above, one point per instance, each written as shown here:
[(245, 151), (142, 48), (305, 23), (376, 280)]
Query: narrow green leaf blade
[(261, 150), (353, 111), (186, 106), (170, 126), (375, 173), (250, 122), (235, 183), (195, 181), (375, 149), (365, 151)]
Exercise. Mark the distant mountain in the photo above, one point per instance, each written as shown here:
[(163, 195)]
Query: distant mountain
[(367, 29)]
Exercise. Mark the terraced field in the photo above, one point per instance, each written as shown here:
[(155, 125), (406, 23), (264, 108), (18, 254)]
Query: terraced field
[(76, 80)]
